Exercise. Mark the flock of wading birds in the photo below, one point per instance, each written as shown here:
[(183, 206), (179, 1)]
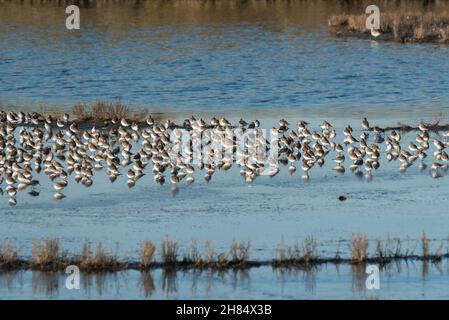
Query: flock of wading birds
[(32, 142)]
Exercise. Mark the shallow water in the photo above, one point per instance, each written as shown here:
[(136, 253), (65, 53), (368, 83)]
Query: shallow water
[(209, 59), (413, 280), (270, 211), (270, 63)]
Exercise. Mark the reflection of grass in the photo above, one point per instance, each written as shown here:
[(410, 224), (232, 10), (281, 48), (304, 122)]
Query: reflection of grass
[(401, 27), (146, 283), (45, 281)]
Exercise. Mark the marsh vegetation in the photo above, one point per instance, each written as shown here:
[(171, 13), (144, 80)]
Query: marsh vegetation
[(48, 255), (400, 27)]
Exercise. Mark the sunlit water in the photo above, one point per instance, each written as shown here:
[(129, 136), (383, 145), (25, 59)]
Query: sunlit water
[(234, 60), (277, 62)]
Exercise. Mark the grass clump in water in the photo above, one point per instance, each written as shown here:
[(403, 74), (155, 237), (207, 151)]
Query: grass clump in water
[(237, 257), (425, 246), (301, 254), (388, 250), (192, 256), (213, 259), (437, 255), (239, 253), (146, 254), (47, 255), (9, 256), (101, 111), (169, 253), (101, 260), (359, 248)]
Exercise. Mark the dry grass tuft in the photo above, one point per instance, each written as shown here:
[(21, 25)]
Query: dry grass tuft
[(99, 111), (80, 113), (240, 252), (9, 256), (192, 256), (146, 254), (102, 111), (301, 254), (425, 245), (283, 254), (381, 251), (118, 110), (169, 252), (388, 250), (397, 252), (47, 254), (213, 259), (309, 249), (438, 251), (86, 255), (55, 114), (359, 248), (102, 257), (101, 260)]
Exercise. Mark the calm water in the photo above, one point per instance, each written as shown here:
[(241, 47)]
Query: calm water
[(195, 58), (398, 281), (282, 209), (259, 61)]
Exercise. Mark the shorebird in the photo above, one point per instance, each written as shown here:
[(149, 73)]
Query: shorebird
[(190, 180), (33, 144), (365, 124), (291, 169), (438, 144), (436, 166), (375, 33), (124, 122), (325, 125), (422, 126), (339, 159), (58, 196), (12, 201)]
